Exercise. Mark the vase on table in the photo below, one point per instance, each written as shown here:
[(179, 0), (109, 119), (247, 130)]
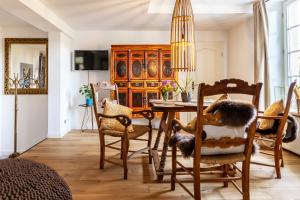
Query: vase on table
[(186, 96), (165, 96)]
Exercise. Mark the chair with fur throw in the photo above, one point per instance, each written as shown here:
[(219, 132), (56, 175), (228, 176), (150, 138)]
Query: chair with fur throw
[(277, 128), (223, 136)]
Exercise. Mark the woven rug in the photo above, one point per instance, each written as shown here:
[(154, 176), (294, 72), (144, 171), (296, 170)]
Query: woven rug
[(25, 179)]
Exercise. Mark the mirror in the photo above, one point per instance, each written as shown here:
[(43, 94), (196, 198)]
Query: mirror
[(26, 59)]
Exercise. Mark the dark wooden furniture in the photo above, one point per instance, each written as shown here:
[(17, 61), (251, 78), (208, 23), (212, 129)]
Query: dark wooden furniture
[(276, 138), (226, 161), (138, 70), (169, 112), (126, 136)]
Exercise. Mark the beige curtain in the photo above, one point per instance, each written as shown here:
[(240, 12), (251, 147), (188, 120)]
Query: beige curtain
[(261, 61)]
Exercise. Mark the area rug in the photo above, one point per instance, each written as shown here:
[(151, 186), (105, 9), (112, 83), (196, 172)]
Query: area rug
[(25, 179)]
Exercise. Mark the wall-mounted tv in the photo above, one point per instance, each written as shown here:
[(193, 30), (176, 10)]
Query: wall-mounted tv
[(91, 60)]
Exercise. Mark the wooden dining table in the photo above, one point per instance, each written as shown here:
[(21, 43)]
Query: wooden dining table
[(169, 110)]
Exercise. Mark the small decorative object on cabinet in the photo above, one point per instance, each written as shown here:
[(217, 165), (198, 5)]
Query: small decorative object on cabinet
[(138, 71)]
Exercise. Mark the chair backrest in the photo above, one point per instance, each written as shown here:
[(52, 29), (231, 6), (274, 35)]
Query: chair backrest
[(227, 86), (102, 91), (286, 110)]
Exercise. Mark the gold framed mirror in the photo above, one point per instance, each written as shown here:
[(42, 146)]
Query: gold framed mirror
[(27, 60)]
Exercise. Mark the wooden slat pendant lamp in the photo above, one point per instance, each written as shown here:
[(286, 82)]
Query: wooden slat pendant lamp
[(183, 37)]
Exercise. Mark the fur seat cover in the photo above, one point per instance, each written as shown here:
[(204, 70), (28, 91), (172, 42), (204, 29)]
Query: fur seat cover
[(290, 133), (235, 117)]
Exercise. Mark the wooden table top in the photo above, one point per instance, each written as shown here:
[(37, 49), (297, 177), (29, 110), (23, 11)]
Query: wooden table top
[(174, 106)]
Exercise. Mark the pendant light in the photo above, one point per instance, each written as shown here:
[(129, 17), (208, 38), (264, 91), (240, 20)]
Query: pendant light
[(183, 37)]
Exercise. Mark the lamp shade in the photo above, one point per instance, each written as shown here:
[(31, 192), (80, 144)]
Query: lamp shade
[(183, 37)]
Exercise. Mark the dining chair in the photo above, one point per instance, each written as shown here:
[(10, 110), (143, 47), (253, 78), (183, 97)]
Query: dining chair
[(213, 153), (109, 125), (274, 137)]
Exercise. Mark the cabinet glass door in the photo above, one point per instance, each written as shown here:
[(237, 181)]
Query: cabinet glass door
[(123, 97), (137, 65), (166, 70), (152, 63), (137, 98), (151, 94), (121, 65)]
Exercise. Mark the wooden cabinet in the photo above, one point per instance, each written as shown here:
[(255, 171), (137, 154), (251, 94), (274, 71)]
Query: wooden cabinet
[(138, 70)]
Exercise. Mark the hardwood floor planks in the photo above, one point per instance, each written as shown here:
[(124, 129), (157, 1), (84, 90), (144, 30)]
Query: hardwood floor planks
[(76, 158)]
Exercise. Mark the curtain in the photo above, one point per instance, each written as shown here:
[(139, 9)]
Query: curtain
[(261, 61)]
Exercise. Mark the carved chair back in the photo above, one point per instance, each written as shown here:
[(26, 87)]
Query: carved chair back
[(286, 111), (101, 92)]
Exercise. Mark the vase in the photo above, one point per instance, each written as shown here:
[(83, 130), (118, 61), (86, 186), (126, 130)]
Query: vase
[(186, 96), (165, 96), (89, 102)]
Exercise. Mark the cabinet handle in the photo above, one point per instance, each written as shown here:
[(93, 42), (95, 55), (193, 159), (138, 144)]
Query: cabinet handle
[(145, 100)]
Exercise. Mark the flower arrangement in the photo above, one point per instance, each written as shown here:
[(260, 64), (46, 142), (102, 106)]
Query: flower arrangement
[(185, 89), (166, 88)]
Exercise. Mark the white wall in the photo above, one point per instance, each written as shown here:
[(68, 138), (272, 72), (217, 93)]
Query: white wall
[(241, 51), (94, 40), (32, 126), (59, 84)]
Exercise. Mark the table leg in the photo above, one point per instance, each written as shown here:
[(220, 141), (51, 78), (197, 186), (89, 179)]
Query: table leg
[(165, 146), (92, 118), (160, 129), (83, 119)]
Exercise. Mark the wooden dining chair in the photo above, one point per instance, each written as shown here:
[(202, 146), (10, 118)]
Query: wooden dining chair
[(129, 132), (275, 137), (222, 162)]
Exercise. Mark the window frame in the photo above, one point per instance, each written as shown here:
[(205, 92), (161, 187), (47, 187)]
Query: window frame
[(286, 42)]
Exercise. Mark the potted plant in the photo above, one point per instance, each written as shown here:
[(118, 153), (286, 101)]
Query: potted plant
[(166, 88), (86, 91), (185, 89)]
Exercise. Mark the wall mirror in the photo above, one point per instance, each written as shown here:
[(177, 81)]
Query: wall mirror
[(27, 60)]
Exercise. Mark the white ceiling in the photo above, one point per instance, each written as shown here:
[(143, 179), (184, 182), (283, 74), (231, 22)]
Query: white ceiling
[(7, 19), (142, 15)]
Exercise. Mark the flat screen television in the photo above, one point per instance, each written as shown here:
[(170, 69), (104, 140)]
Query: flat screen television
[(91, 60)]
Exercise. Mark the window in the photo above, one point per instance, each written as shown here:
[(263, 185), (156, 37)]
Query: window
[(292, 32)]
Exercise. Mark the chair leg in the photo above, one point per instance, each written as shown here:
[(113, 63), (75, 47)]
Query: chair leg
[(174, 169), (149, 145), (102, 151), (121, 154), (196, 168), (125, 157), (225, 174), (245, 180), (277, 155), (281, 155)]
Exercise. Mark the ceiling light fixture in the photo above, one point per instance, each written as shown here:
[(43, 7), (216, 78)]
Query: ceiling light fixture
[(183, 37)]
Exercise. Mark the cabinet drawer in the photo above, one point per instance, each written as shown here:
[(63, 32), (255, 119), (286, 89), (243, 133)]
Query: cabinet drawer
[(137, 84), (122, 85), (153, 84)]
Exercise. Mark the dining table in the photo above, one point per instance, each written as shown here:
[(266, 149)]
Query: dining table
[(168, 110)]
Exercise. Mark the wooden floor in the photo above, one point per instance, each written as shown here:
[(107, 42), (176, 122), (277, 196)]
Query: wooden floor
[(76, 157)]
